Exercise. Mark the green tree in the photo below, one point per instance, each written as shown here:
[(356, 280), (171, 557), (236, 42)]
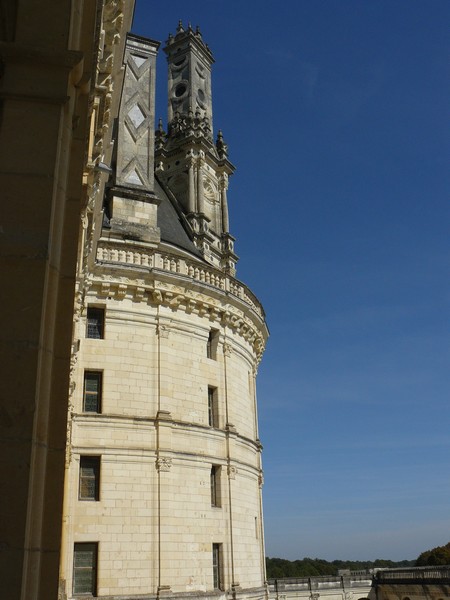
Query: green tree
[(436, 556)]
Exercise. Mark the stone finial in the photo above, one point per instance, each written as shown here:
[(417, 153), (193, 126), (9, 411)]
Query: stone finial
[(180, 27), (222, 147), (160, 135)]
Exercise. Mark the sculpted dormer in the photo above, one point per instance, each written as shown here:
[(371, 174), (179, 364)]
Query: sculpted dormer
[(188, 162)]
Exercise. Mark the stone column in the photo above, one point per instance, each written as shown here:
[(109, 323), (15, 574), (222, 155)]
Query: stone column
[(200, 198), (224, 202), (191, 197)]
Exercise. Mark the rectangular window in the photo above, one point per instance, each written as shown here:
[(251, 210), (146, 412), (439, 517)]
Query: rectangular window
[(215, 486), (217, 566), (211, 344), (213, 420), (95, 323), (89, 488), (92, 394), (85, 569)]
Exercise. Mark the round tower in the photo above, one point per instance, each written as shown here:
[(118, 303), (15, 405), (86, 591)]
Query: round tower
[(163, 486)]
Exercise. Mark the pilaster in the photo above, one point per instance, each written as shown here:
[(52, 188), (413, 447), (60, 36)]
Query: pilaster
[(132, 204)]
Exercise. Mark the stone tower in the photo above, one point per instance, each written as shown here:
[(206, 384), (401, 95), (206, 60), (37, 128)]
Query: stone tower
[(163, 483), (194, 168)]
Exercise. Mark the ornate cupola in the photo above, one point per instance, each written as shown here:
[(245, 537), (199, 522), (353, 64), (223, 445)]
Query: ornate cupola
[(188, 162)]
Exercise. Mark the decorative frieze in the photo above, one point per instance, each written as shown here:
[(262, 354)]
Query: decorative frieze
[(182, 298)]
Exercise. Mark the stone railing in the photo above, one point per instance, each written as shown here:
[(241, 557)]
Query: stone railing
[(414, 575), (320, 582), (120, 253)]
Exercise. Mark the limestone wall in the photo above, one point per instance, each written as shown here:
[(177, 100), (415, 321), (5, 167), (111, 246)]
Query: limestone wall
[(154, 521)]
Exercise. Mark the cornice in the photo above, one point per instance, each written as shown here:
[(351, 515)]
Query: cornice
[(157, 278)]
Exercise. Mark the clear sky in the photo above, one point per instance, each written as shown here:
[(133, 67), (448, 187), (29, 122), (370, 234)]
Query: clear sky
[(337, 117)]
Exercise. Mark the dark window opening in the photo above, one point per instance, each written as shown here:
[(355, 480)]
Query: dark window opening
[(89, 486), (180, 90), (211, 344), (92, 394), (213, 420), (217, 566), (215, 486), (95, 323)]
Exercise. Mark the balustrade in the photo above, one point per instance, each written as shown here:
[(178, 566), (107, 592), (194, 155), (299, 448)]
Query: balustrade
[(106, 252)]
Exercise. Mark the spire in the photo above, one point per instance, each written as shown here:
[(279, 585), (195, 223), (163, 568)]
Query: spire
[(191, 165), (190, 62)]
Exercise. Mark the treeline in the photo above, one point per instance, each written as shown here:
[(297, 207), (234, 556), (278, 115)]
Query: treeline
[(436, 556), (310, 567)]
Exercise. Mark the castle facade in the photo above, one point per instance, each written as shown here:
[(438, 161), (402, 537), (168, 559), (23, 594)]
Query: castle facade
[(163, 461)]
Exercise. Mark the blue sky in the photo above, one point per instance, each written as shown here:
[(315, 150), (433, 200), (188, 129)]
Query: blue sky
[(337, 116)]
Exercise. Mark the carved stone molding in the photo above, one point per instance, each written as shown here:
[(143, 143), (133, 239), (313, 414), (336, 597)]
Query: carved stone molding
[(162, 331), (163, 464), (180, 298), (227, 349), (139, 294), (232, 472)]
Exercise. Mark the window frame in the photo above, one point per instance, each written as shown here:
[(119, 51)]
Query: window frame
[(213, 416), (93, 462), (217, 567), (99, 326), (98, 375), (212, 343), (214, 478), (92, 568)]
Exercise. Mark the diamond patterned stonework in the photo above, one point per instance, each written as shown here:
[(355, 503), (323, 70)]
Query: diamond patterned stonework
[(136, 116), (138, 60), (133, 177)]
